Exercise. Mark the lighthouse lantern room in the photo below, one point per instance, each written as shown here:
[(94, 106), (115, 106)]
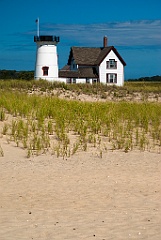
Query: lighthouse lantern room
[(46, 66)]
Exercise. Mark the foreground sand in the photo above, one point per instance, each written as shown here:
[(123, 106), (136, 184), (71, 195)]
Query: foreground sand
[(83, 197)]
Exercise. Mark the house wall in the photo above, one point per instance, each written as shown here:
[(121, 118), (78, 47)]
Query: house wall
[(119, 71), (61, 80), (78, 80)]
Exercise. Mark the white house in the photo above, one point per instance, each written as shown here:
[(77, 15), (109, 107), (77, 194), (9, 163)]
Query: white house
[(90, 64)]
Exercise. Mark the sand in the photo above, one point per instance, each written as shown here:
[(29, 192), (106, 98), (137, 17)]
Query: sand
[(114, 197)]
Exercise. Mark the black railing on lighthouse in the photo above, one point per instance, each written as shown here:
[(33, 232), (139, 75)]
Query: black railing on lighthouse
[(46, 39)]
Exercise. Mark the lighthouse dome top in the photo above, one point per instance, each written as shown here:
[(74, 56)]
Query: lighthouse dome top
[(46, 38)]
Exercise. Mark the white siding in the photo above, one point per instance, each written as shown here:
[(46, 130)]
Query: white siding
[(119, 71), (61, 80), (78, 80)]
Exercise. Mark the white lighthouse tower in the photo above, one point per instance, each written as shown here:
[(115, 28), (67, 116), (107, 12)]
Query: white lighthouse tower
[(46, 66)]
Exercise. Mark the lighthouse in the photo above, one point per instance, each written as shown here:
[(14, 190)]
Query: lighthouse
[(46, 66)]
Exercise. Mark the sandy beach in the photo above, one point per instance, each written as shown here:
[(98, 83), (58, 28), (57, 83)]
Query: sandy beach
[(44, 197)]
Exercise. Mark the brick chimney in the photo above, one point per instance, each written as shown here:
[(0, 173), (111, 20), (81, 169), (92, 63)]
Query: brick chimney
[(105, 41)]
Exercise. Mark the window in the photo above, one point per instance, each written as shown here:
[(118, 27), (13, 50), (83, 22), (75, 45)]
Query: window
[(74, 66), (111, 64), (95, 80), (69, 80), (74, 80), (111, 78), (45, 71), (87, 80)]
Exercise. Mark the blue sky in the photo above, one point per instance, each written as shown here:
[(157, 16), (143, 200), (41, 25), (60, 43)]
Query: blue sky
[(133, 27)]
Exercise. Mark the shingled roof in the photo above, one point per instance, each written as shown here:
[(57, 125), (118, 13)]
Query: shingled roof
[(84, 55), (88, 56), (85, 72)]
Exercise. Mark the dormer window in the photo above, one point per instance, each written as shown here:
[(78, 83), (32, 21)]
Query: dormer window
[(45, 71), (74, 66), (111, 64)]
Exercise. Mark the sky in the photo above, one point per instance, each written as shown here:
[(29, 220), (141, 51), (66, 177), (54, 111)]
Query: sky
[(132, 27)]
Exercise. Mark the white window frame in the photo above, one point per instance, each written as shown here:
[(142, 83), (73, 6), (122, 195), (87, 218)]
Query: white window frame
[(111, 78), (111, 64)]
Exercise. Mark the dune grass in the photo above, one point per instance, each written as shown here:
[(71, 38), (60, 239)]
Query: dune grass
[(40, 124)]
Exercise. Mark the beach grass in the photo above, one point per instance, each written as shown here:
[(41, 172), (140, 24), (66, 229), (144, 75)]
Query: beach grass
[(42, 124)]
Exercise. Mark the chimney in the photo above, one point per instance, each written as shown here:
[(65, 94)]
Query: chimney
[(105, 41)]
